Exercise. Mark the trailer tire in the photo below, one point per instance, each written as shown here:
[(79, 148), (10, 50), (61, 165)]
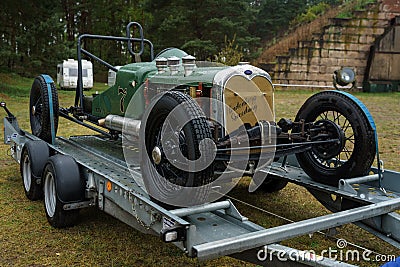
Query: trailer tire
[(39, 109), (160, 178), (33, 159), (359, 149), (272, 184), (61, 185)]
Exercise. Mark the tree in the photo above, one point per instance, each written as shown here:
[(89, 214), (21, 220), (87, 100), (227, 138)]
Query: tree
[(200, 26), (32, 36), (36, 35), (275, 15), (230, 54)]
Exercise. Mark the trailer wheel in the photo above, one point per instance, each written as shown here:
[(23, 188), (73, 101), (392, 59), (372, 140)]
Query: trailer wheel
[(163, 180), (33, 158), (272, 184), (40, 107), (61, 185), (358, 139)]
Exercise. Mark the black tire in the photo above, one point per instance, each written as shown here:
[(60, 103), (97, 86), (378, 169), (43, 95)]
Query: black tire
[(39, 109), (33, 159), (272, 184), (61, 185), (160, 178), (359, 147)]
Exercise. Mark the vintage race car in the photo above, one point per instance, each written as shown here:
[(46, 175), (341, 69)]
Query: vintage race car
[(200, 124)]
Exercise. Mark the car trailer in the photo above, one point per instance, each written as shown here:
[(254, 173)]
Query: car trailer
[(206, 231)]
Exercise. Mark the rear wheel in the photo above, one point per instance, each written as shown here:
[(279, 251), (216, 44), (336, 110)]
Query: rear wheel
[(61, 185), (40, 106), (354, 156), (164, 180)]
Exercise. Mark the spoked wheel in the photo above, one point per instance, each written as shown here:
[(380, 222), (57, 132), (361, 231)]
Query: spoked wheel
[(175, 127), (40, 109), (61, 185), (344, 119), (33, 158)]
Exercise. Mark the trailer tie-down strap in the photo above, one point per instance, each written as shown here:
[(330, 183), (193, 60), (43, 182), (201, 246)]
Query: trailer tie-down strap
[(49, 81)]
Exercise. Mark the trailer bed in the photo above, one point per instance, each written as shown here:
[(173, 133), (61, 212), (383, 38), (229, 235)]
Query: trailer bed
[(217, 229)]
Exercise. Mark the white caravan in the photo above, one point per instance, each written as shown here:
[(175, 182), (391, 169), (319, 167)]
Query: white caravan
[(67, 74)]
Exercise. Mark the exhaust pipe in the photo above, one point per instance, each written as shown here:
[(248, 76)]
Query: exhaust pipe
[(119, 123)]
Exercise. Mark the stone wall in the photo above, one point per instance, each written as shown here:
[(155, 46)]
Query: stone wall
[(342, 43)]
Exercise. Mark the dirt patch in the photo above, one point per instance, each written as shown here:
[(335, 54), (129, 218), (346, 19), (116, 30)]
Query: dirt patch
[(4, 97)]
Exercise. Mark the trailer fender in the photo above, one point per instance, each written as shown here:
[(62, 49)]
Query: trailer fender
[(34, 156), (38, 153), (68, 183)]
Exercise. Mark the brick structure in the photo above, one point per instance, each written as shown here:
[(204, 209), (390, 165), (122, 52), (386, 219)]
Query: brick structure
[(344, 42)]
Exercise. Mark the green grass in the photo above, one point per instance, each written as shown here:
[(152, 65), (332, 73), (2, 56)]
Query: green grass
[(13, 85), (26, 239), (351, 6), (311, 13)]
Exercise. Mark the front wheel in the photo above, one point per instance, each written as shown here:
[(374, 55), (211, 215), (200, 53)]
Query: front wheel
[(33, 158), (174, 134), (327, 164)]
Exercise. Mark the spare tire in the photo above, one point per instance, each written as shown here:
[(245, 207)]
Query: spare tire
[(41, 105)]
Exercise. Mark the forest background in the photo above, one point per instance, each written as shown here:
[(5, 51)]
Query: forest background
[(36, 35)]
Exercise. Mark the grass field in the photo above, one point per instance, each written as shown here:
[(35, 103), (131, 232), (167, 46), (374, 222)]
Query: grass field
[(26, 239)]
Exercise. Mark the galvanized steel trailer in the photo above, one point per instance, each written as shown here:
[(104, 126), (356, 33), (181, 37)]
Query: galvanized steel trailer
[(216, 229)]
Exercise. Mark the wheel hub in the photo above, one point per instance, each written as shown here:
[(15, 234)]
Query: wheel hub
[(37, 109), (156, 154), (332, 131)]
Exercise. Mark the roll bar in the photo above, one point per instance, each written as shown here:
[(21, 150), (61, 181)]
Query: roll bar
[(130, 40)]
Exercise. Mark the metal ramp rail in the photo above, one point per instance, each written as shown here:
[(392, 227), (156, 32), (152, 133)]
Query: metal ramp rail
[(216, 229), (352, 193)]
